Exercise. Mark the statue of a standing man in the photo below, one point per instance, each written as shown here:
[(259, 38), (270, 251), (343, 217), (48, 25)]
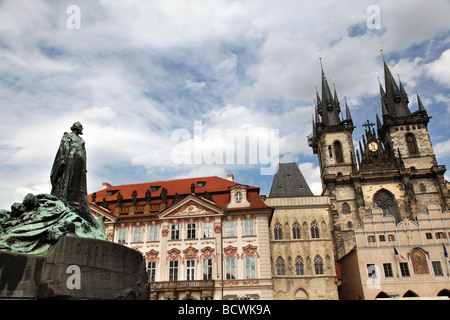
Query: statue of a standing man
[(68, 175)]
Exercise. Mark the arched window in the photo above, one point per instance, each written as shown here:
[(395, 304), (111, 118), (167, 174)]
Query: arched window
[(338, 152), (411, 143), (314, 230), (318, 265), (345, 208), (299, 267), (278, 231), (386, 201), (296, 231), (280, 266)]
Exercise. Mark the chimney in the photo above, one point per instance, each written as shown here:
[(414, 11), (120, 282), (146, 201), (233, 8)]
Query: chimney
[(230, 177), (106, 185)]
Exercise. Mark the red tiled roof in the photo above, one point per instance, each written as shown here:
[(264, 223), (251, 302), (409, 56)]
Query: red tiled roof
[(218, 187)]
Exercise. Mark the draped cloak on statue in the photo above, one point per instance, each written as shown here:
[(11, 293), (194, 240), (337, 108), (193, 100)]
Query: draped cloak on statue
[(68, 175)]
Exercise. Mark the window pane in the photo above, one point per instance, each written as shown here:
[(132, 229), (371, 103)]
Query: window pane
[(153, 233), (250, 267), (230, 268), (229, 228), (207, 230), (248, 228), (191, 230), (137, 234), (175, 232), (207, 269)]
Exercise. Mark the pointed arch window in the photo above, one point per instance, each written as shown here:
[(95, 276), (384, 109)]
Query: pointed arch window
[(299, 266), (338, 152), (278, 231), (280, 267), (318, 265), (314, 230), (296, 231), (411, 143), (386, 201)]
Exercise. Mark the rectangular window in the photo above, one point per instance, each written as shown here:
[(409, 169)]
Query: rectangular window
[(371, 238), (387, 267), (250, 267), (175, 232), (404, 269), (207, 269), (440, 235), (230, 268), (391, 237), (429, 235), (382, 238), (229, 228), (137, 234), (248, 228), (191, 231), (153, 233), (173, 270), (190, 270), (151, 269), (207, 230), (437, 268), (371, 271), (122, 237)]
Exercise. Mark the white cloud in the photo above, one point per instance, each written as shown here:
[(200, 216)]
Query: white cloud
[(136, 71), (195, 86), (440, 69), (312, 177)]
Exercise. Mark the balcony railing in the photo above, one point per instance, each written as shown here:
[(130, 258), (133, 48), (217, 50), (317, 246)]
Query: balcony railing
[(182, 285)]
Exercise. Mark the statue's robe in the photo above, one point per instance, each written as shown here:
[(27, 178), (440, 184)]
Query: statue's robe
[(68, 176)]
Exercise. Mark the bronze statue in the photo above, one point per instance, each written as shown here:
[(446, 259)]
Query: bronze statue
[(68, 175)]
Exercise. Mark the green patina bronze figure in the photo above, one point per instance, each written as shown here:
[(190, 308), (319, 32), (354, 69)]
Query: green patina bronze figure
[(68, 175), (34, 225)]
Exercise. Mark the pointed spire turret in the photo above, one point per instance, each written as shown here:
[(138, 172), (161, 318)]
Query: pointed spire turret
[(395, 99), (329, 106)]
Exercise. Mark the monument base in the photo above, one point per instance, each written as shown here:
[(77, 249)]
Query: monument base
[(75, 268)]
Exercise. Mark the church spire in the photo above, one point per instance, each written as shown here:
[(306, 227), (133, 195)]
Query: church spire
[(330, 104), (395, 99)]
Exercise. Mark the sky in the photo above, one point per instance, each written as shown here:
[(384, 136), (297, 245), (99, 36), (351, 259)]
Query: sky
[(175, 89)]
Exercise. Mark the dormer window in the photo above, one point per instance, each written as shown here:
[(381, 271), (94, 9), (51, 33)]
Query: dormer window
[(154, 188), (201, 184), (238, 196)]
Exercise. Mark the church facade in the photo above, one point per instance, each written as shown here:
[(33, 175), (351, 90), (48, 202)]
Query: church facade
[(394, 168), (390, 192)]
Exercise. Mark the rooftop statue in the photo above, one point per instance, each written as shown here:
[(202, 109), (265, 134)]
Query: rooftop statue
[(34, 225)]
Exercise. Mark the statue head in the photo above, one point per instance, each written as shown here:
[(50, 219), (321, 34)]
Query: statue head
[(77, 128)]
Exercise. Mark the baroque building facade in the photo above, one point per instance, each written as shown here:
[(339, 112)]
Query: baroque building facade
[(202, 238)]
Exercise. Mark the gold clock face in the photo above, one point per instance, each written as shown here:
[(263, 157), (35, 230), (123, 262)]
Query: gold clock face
[(373, 146)]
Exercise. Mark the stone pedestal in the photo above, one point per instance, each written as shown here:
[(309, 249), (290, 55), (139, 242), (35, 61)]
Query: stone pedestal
[(75, 268)]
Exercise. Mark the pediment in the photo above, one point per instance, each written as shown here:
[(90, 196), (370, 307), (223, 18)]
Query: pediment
[(98, 211), (191, 206)]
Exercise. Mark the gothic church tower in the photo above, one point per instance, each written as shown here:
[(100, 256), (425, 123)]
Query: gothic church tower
[(394, 168)]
